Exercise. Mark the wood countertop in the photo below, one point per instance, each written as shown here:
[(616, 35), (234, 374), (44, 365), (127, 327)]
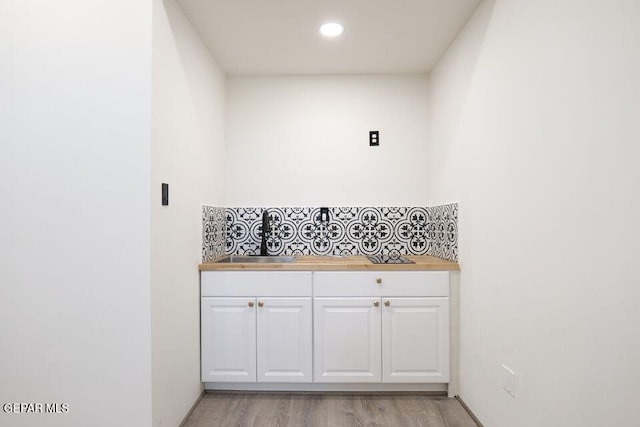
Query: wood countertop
[(329, 263)]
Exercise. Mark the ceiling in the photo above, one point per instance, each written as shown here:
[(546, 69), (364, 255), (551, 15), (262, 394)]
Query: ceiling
[(255, 37)]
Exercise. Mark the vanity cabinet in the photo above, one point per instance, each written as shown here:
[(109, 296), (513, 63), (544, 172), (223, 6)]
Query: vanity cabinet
[(256, 327), (341, 328), (390, 327)]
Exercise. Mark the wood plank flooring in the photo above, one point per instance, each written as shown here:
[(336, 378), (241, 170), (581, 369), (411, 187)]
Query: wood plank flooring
[(331, 410)]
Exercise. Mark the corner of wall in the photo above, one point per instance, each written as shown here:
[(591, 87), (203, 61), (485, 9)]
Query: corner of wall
[(188, 128)]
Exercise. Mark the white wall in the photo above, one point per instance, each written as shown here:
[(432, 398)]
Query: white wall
[(535, 133), (303, 141), (187, 153), (74, 217)]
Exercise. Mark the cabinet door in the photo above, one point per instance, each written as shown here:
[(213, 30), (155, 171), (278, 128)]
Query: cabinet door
[(284, 340), (347, 340), (415, 345), (228, 339)]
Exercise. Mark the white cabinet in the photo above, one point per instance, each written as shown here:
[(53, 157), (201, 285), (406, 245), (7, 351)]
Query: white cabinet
[(357, 329), (381, 326), (284, 340), (415, 340), (250, 332), (228, 339), (347, 340)]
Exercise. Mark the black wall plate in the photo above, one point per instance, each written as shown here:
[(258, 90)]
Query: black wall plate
[(165, 194), (374, 138)]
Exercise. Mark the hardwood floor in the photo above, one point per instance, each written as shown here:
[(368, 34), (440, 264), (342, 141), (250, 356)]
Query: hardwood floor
[(331, 410)]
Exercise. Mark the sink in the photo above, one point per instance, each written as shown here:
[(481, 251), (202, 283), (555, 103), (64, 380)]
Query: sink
[(257, 259)]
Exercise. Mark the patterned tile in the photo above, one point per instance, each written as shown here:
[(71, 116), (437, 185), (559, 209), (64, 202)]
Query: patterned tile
[(214, 233), (413, 230), (393, 231), (443, 231)]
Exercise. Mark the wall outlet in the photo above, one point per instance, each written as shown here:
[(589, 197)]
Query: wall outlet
[(324, 214), (374, 138), (509, 381)]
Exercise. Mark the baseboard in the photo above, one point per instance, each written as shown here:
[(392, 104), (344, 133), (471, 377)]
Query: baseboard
[(186, 417), (332, 393), (327, 387), (469, 411)]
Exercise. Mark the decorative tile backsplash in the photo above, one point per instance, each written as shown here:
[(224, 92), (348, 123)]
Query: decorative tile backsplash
[(214, 232), (392, 231), (443, 231)]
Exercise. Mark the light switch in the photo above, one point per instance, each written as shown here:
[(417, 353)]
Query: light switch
[(165, 194)]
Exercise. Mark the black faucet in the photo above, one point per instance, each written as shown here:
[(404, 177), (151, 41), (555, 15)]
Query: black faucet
[(265, 227)]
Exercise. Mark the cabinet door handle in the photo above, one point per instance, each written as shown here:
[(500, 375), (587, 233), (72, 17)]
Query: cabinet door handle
[(250, 304), (387, 303), (379, 280), (260, 304), (376, 303)]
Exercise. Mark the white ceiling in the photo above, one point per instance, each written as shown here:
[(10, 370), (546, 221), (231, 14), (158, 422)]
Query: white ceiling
[(249, 37)]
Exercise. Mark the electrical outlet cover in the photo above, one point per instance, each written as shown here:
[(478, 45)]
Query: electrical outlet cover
[(509, 381), (374, 138)]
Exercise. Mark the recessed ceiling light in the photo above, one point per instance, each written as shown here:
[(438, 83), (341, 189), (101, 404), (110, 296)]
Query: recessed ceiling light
[(331, 29)]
